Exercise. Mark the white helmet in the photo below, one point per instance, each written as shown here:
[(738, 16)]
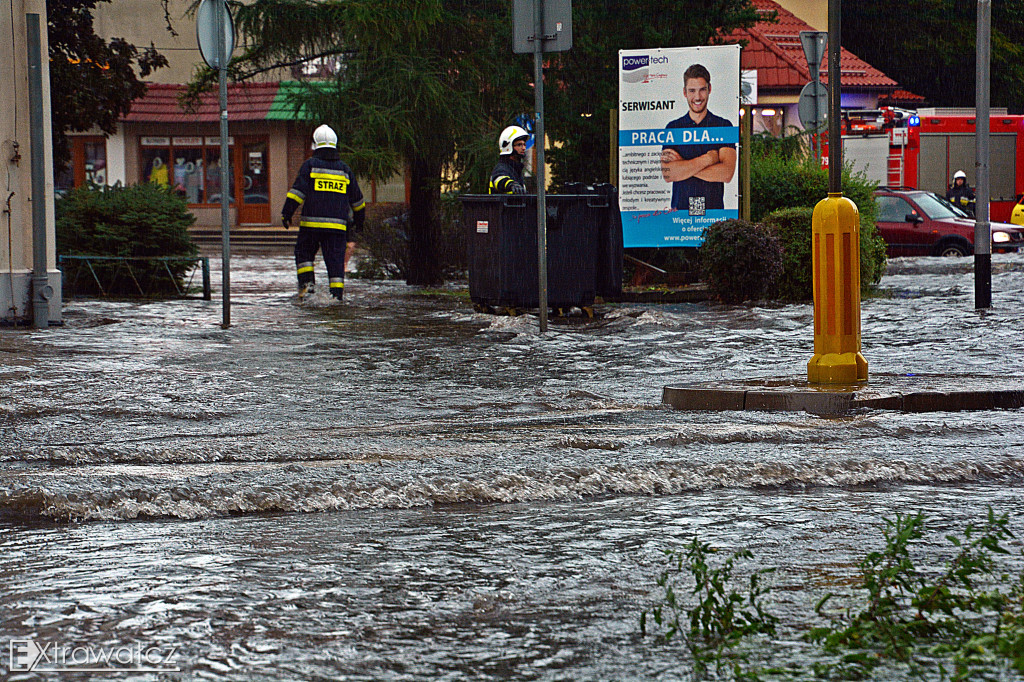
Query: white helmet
[(508, 137), (959, 174), (324, 136)]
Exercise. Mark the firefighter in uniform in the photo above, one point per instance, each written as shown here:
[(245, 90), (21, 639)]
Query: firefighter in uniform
[(507, 176), (960, 194), (331, 200)]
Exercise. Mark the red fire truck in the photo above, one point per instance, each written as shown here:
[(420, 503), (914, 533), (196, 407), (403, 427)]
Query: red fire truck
[(922, 149)]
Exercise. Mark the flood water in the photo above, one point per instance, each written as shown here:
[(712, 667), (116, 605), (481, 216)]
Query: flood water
[(400, 488)]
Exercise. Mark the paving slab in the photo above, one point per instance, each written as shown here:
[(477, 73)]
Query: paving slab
[(901, 392)]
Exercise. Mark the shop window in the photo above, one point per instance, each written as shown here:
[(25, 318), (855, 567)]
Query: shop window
[(88, 164), (191, 165)]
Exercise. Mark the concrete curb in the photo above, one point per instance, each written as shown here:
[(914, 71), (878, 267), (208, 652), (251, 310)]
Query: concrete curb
[(904, 394)]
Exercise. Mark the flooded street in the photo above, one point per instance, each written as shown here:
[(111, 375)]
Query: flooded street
[(400, 488)]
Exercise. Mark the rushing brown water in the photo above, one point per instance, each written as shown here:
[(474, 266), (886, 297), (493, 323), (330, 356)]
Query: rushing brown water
[(399, 488)]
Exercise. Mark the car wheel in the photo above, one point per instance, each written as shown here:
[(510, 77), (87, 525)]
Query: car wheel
[(953, 248)]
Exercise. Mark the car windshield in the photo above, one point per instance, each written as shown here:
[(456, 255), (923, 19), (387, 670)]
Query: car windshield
[(956, 209), (937, 208)]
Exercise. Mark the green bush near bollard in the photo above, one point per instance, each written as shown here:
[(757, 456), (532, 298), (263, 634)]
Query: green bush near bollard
[(740, 261), (782, 179)]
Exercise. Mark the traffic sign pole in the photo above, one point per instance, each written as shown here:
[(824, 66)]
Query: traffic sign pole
[(215, 34), (225, 185), (814, 44), (542, 214)]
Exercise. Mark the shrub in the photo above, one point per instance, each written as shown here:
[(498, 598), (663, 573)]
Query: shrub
[(386, 239), (792, 227), (139, 221), (779, 179), (740, 261)]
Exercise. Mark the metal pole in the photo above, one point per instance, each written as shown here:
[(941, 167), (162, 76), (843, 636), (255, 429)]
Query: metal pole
[(747, 132), (542, 214), (41, 290), (835, 135), (982, 227), (225, 163)]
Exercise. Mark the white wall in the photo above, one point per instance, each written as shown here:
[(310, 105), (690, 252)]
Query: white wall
[(16, 226), (116, 172)]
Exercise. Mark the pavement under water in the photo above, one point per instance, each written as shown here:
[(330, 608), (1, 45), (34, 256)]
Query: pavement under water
[(400, 488)]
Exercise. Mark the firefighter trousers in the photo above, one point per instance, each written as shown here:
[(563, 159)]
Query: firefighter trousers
[(332, 242)]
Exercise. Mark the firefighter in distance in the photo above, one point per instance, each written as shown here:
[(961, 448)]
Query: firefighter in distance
[(960, 194), (331, 201), (507, 176)]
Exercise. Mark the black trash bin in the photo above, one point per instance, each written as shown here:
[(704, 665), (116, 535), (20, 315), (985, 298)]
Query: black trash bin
[(501, 233), (604, 212), (603, 216)]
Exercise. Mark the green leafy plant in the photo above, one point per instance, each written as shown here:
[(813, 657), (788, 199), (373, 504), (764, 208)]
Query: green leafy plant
[(740, 261), (716, 618), (785, 176), (962, 620), (924, 620), (792, 227), (386, 241), (139, 222)]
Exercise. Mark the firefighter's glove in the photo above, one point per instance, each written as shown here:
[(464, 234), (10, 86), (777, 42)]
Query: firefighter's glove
[(517, 188), (287, 222)]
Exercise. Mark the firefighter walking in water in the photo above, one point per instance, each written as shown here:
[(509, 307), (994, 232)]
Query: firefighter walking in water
[(331, 200)]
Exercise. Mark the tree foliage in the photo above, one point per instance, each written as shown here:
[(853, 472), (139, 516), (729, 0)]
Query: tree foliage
[(417, 84), (428, 84), (928, 46), (92, 81)]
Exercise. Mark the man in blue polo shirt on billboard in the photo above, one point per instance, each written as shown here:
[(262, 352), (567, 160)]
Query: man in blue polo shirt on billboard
[(698, 172)]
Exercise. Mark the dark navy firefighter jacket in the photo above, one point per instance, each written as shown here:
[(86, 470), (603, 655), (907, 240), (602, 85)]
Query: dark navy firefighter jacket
[(327, 190), (505, 175)]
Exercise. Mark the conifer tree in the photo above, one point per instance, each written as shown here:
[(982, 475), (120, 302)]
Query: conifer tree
[(428, 85)]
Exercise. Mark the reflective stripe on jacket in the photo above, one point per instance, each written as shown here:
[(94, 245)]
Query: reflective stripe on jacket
[(506, 173), (327, 190)]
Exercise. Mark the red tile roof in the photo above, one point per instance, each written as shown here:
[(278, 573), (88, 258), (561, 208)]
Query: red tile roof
[(775, 51), (899, 97), (246, 102)]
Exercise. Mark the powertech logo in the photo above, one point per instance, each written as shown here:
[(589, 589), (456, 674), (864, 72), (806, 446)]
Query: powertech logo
[(637, 68), (27, 655), (634, 67)]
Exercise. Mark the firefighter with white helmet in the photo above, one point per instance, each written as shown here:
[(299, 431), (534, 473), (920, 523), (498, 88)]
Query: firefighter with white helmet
[(507, 176), (960, 193), (332, 203)]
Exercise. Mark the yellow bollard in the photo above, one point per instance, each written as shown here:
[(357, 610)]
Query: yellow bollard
[(835, 235)]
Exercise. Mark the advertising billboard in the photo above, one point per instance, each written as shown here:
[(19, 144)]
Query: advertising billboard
[(678, 140)]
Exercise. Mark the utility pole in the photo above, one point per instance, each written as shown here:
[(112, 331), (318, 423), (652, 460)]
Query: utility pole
[(982, 226)]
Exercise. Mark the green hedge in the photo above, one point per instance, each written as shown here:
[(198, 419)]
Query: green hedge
[(792, 227), (780, 179), (740, 261), (139, 221)]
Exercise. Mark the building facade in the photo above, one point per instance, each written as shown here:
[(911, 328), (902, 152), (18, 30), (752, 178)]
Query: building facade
[(163, 141), (30, 283)]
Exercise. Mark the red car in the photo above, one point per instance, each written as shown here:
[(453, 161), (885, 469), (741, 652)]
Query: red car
[(917, 223)]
